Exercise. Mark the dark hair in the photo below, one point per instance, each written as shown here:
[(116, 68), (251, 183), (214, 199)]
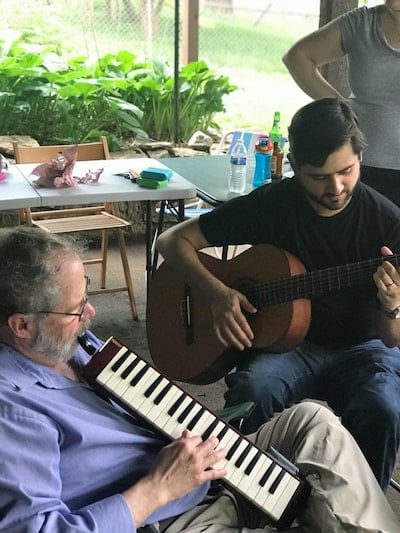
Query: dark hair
[(27, 269), (320, 128)]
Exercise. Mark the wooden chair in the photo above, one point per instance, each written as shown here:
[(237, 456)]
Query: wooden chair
[(104, 217)]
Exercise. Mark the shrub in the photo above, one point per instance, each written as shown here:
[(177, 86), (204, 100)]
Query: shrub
[(70, 101)]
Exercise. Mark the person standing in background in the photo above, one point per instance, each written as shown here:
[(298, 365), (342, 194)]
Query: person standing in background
[(370, 38)]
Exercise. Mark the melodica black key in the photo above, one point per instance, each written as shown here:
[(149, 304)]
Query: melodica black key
[(266, 479)]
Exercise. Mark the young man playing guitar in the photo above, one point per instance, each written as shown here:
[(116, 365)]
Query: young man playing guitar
[(325, 217)]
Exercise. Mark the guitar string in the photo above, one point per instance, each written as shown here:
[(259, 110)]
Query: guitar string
[(308, 284)]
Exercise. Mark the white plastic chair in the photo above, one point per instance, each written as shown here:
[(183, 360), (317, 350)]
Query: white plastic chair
[(229, 139)]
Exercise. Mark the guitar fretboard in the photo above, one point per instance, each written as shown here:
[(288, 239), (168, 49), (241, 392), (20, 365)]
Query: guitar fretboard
[(311, 284)]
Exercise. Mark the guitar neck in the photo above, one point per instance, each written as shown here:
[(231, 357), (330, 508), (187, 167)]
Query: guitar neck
[(311, 284)]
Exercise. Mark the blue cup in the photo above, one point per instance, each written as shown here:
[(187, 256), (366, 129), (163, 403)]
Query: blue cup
[(262, 171)]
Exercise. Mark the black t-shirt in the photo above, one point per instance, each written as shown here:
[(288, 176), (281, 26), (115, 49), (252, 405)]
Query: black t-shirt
[(279, 214)]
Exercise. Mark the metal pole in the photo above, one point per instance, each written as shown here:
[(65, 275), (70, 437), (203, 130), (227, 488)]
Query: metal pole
[(176, 75)]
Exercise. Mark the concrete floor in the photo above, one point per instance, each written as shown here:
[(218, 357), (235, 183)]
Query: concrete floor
[(113, 318)]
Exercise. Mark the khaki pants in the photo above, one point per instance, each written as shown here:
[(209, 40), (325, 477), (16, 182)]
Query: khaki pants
[(344, 493)]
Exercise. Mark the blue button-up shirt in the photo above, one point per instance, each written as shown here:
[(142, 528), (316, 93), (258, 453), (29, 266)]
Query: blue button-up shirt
[(66, 454)]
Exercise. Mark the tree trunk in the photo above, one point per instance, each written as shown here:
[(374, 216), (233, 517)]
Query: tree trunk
[(129, 10), (156, 9)]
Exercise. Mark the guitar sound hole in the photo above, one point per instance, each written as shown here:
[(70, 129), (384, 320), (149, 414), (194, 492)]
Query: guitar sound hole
[(248, 287)]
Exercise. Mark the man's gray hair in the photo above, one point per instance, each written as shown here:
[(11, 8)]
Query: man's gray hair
[(27, 269)]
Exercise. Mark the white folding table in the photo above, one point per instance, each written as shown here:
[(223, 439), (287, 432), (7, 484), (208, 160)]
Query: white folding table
[(111, 187)]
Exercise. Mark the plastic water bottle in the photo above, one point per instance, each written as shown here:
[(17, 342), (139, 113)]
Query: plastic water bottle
[(263, 154), (259, 171), (237, 177)]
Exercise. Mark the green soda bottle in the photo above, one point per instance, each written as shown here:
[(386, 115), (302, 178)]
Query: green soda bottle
[(276, 134)]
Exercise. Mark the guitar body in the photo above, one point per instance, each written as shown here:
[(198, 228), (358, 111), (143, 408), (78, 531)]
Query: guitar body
[(180, 333)]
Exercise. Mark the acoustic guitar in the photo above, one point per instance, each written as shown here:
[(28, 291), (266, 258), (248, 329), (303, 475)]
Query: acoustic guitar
[(180, 333)]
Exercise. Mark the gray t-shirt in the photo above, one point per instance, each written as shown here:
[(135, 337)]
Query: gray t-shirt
[(374, 78)]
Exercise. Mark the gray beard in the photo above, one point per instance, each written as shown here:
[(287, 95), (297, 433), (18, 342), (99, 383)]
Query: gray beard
[(54, 347)]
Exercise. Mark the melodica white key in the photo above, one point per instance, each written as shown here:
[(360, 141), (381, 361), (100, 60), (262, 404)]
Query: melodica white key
[(268, 480)]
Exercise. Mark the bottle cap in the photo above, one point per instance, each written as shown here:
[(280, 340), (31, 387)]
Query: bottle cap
[(263, 144)]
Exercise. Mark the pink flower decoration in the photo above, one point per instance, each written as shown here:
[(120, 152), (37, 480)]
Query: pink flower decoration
[(2, 176)]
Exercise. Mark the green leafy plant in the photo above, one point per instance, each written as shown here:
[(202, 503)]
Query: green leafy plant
[(200, 97), (60, 102), (65, 101)]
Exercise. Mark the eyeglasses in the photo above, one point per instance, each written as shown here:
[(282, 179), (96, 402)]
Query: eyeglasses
[(79, 315)]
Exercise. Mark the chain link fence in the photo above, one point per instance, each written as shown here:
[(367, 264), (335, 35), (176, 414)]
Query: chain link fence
[(241, 39)]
